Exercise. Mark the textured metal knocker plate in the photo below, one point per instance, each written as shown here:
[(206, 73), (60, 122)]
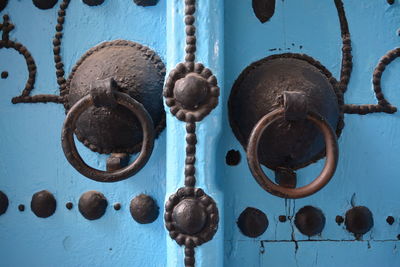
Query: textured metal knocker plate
[(138, 72), (290, 144)]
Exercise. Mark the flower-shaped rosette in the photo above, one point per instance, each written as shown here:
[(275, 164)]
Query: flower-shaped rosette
[(191, 92), (191, 217)]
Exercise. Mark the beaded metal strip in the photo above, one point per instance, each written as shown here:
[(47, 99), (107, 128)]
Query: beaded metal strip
[(191, 92), (6, 27), (347, 66), (25, 97)]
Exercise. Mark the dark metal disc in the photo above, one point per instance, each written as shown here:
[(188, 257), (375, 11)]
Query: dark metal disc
[(144, 209), (145, 2), (43, 204), (93, 2), (92, 205), (139, 72), (359, 220), (45, 4), (3, 203), (310, 220), (3, 4), (289, 144), (252, 222)]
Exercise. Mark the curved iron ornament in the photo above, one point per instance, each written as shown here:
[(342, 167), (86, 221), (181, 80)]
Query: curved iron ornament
[(191, 91), (6, 27), (26, 97), (346, 69)]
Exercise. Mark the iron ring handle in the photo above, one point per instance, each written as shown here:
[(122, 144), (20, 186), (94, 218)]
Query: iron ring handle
[(72, 154), (324, 177)]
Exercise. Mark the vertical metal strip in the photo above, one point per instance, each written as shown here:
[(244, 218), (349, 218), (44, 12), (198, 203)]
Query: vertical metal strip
[(205, 187)]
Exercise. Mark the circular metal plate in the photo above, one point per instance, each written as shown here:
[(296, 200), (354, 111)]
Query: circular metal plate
[(256, 92), (138, 72)]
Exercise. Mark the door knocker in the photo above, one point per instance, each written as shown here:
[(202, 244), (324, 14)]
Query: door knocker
[(114, 103), (283, 108)]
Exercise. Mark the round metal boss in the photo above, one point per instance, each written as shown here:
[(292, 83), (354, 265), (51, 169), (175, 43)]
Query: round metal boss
[(138, 72), (258, 91), (191, 217), (191, 92)]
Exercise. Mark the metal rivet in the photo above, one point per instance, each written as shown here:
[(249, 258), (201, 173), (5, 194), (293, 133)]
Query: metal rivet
[(191, 91), (310, 221), (3, 203), (92, 205), (282, 218), (4, 75), (390, 220), (252, 222), (43, 204), (45, 4), (233, 157), (144, 209), (264, 9), (145, 2), (21, 207), (93, 2), (190, 216), (359, 220), (69, 205), (339, 219), (117, 206)]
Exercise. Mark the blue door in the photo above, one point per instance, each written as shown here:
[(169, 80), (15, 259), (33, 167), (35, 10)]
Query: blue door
[(199, 133)]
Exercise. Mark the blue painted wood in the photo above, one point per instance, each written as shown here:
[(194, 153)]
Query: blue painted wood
[(31, 157), (368, 166), (230, 37)]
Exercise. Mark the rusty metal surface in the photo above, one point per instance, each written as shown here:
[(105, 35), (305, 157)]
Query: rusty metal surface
[(191, 92), (4, 202), (3, 4), (92, 205), (256, 93), (137, 72), (310, 220), (324, 177), (145, 2), (252, 222), (144, 209), (191, 217), (359, 220), (43, 204), (72, 154), (93, 2), (44, 4), (264, 9)]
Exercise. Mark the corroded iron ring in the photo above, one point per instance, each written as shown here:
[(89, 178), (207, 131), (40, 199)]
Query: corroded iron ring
[(72, 154), (324, 177)]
